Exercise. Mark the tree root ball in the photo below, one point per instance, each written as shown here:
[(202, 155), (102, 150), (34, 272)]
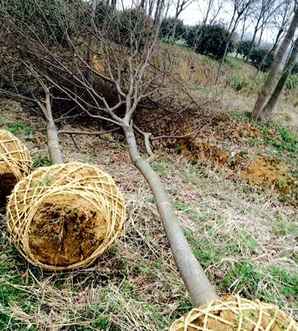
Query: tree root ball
[(235, 313), (64, 216), (15, 163)]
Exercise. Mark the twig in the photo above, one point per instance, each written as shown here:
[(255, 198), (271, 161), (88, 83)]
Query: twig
[(90, 133)]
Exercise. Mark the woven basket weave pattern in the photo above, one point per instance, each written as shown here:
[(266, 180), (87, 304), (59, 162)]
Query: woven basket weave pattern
[(235, 313), (14, 156), (72, 179)]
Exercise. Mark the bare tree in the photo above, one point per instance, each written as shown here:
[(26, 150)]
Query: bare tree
[(210, 16), (125, 79), (271, 103), (181, 5), (239, 9), (281, 20), (263, 12), (270, 83)]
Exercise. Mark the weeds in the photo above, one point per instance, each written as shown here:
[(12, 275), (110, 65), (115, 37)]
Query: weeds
[(41, 161), (19, 128)]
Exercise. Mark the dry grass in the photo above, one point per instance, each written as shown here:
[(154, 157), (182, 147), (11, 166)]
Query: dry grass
[(245, 238)]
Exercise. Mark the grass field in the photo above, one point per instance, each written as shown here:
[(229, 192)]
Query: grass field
[(241, 221)]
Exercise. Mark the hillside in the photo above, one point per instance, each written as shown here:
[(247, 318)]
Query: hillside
[(234, 187)]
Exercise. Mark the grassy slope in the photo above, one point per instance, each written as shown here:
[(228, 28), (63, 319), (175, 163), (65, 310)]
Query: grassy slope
[(244, 237)]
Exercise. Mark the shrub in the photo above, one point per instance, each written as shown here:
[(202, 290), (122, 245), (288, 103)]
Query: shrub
[(292, 82), (295, 69), (238, 83), (103, 12), (258, 55), (131, 28), (244, 47), (209, 40), (45, 18), (167, 25)]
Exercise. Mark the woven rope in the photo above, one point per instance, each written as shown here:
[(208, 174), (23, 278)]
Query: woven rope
[(76, 182), (15, 158), (235, 313)]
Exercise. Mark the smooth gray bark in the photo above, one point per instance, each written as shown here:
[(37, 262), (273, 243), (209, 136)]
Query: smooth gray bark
[(270, 105), (193, 275), (270, 83)]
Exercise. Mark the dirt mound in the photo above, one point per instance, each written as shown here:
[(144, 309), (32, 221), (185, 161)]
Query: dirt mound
[(64, 216)]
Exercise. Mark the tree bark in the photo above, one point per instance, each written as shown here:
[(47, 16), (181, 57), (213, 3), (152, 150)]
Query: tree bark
[(269, 107), (55, 152), (252, 45), (227, 48), (270, 83), (272, 50), (195, 280)]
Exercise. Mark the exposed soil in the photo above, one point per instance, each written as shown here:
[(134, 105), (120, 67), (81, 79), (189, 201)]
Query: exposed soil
[(65, 230), (7, 183), (228, 320)]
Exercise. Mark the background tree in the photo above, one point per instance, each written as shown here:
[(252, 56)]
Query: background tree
[(280, 21), (271, 103), (167, 26), (181, 5), (269, 85), (213, 40), (210, 15), (239, 9), (263, 11), (257, 56)]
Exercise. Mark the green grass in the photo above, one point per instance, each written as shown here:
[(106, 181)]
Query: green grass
[(41, 161), (270, 284), (279, 137), (19, 128)]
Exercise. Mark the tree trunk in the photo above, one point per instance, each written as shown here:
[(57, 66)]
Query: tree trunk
[(227, 48), (89, 75), (113, 4), (55, 153), (261, 36), (252, 41), (269, 107), (275, 68), (242, 34), (53, 144), (272, 50), (195, 280)]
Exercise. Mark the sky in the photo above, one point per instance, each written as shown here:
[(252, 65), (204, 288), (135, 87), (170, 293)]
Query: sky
[(195, 12)]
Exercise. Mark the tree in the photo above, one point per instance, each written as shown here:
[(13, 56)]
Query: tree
[(270, 83), (239, 9), (257, 55), (181, 5), (167, 25), (244, 47), (123, 79), (213, 40), (271, 103), (210, 16), (263, 12), (280, 19)]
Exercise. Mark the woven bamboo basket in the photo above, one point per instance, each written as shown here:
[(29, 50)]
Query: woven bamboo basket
[(235, 313), (64, 216), (15, 163)]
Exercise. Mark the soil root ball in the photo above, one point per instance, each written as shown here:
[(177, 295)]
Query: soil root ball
[(64, 216), (235, 313), (15, 163)]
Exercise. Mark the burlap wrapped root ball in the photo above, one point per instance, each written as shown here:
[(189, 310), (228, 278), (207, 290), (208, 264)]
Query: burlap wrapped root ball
[(15, 163), (235, 313), (64, 216)]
